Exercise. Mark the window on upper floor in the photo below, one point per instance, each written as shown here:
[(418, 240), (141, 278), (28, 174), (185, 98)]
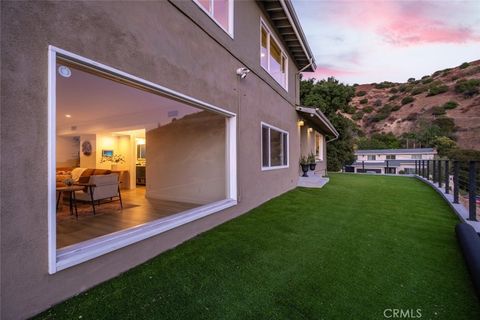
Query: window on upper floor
[(372, 157), (391, 157), (272, 57), (416, 156), (221, 11)]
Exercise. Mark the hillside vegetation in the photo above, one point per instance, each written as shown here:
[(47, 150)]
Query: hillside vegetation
[(445, 103)]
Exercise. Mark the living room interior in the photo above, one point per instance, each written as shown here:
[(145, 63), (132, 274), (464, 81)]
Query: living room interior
[(126, 156)]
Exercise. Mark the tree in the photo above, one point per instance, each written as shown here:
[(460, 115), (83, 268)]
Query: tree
[(379, 141), (331, 96), (444, 145)]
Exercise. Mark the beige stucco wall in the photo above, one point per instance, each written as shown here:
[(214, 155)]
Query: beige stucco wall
[(186, 159), (152, 40)]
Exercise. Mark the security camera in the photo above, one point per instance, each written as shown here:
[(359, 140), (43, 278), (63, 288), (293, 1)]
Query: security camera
[(242, 72)]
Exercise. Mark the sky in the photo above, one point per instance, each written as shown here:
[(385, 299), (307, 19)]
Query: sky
[(364, 41)]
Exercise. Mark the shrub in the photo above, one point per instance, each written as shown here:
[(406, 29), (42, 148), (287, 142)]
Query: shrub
[(434, 90), (349, 109), (450, 105), (358, 116), (367, 109), (446, 125), (393, 90), (410, 80), (437, 111), (437, 73), (427, 80), (401, 172), (364, 101), (464, 65), (407, 100), (454, 78), (403, 88), (377, 103), (412, 116), (396, 108), (361, 93), (392, 98), (355, 85), (418, 90), (383, 85), (468, 88)]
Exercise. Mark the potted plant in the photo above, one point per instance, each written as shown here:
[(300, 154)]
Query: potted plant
[(114, 160), (311, 161), (304, 164)]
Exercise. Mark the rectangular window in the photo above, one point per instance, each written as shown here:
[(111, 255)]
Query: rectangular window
[(417, 156), (391, 157), (221, 11), (371, 157), (319, 146), (272, 58), (111, 152), (274, 147)]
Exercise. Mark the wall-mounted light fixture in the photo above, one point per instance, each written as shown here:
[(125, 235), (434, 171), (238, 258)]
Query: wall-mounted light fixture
[(301, 123), (310, 130), (242, 72)]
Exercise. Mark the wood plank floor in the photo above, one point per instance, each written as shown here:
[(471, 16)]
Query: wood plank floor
[(139, 210)]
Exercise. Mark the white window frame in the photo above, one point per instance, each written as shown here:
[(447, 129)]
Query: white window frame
[(269, 167), (390, 155), (270, 34), (417, 157), (319, 155), (72, 255), (373, 156), (231, 15)]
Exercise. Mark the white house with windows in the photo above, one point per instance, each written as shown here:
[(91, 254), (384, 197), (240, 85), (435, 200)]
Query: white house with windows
[(389, 161)]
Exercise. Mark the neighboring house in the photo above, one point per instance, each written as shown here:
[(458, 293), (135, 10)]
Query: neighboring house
[(391, 161), (187, 110)]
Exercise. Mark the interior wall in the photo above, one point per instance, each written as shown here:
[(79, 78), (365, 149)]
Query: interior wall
[(88, 161), (186, 159), (67, 152)]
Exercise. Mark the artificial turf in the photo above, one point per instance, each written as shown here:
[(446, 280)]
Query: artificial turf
[(358, 246)]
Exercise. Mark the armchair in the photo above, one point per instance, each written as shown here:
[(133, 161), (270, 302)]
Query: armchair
[(100, 187)]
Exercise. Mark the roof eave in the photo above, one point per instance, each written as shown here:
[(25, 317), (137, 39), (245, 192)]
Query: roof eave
[(315, 112), (285, 20)]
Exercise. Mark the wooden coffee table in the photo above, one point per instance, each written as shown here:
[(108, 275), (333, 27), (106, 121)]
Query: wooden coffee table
[(71, 196)]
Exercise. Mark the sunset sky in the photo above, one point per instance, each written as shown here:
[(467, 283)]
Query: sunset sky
[(372, 41)]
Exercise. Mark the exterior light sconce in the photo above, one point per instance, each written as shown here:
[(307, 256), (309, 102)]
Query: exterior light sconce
[(301, 123), (310, 130)]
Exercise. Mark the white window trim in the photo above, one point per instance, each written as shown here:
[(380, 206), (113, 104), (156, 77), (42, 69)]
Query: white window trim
[(81, 252), (269, 35), (230, 15), (319, 155), (264, 124)]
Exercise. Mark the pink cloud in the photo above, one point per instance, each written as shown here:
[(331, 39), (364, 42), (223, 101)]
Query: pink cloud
[(323, 72), (405, 23)]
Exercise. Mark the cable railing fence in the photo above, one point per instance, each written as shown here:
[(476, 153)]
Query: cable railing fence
[(459, 178)]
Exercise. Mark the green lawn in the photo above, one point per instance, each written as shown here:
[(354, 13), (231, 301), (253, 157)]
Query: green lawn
[(358, 246)]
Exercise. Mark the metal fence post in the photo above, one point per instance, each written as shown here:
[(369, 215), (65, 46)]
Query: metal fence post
[(363, 166), (439, 173), (423, 168), (428, 169), (434, 169), (447, 178), (416, 167), (472, 186), (455, 181)]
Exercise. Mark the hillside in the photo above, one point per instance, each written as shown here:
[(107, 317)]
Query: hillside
[(450, 96)]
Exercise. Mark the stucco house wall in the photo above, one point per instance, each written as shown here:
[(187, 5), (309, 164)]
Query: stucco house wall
[(173, 44)]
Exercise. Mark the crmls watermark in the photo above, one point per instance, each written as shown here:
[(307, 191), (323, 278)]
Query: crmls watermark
[(402, 313)]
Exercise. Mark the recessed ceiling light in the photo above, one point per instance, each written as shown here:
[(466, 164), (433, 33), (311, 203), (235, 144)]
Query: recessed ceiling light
[(68, 116), (64, 71)]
